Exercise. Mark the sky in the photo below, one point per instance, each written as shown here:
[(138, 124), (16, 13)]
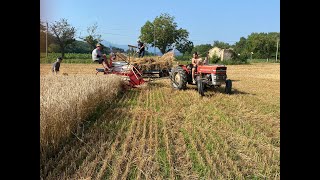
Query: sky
[(120, 21)]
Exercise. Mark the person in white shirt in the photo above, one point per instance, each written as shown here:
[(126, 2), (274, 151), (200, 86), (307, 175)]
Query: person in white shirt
[(97, 56)]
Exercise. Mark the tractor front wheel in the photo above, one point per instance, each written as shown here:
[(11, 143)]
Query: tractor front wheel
[(200, 86), (228, 86)]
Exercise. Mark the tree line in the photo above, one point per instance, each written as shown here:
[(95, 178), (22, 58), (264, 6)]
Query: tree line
[(163, 33)]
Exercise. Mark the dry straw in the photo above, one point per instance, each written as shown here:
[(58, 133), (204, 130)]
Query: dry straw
[(66, 101), (150, 62)]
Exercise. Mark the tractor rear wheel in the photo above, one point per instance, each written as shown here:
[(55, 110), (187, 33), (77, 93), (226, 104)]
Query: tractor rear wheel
[(200, 86), (228, 86), (178, 78)]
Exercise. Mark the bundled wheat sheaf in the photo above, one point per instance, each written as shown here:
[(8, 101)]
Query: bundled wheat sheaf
[(66, 101), (150, 62)]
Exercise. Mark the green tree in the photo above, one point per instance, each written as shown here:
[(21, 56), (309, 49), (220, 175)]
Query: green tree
[(263, 45), (221, 45), (182, 43), (93, 38), (166, 33), (241, 48), (185, 46), (64, 34), (78, 47)]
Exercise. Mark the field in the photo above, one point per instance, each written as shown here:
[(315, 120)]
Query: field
[(155, 132)]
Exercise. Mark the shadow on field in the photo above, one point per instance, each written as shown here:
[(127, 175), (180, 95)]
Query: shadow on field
[(99, 129), (210, 92), (235, 91)]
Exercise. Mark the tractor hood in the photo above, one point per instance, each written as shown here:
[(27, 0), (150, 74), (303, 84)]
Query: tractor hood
[(212, 69)]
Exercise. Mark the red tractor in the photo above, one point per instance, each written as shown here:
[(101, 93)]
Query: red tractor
[(206, 76)]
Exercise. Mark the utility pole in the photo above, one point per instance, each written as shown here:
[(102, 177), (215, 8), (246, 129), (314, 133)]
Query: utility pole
[(154, 38), (47, 40), (277, 50)]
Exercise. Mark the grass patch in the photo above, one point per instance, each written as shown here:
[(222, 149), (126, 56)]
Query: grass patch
[(196, 165)]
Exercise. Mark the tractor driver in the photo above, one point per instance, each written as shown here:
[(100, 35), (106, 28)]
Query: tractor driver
[(196, 60)]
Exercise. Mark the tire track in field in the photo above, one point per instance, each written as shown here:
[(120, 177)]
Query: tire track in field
[(127, 148), (152, 163), (168, 153), (165, 137), (88, 168), (155, 169), (98, 162), (149, 165), (138, 148), (130, 144), (116, 145), (141, 142), (181, 161), (146, 148)]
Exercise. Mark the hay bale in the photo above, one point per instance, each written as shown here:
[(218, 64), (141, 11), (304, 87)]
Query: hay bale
[(149, 62)]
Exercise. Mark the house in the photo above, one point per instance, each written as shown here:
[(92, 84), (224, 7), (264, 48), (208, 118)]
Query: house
[(223, 54)]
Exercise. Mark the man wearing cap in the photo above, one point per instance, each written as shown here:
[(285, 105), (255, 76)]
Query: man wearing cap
[(56, 66), (98, 57)]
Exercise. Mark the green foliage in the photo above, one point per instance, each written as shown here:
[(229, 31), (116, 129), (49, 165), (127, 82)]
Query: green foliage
[(164, 31), (185, 46), (202, 49), (64, 34), (69, 58), (79, 47), (263, 45), (221, 45), (54, 48), (214, 59)]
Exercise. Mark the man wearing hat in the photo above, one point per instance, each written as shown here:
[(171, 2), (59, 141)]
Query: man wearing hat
[(96, 54), (98, 57)]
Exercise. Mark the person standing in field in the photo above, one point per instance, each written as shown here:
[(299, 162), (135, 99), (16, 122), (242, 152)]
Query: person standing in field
[(97, 56), (141, 48), (56, 66)]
